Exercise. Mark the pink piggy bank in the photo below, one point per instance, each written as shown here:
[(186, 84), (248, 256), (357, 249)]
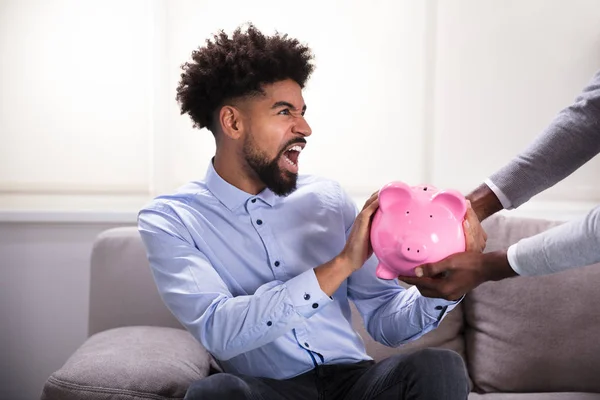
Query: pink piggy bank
[(416, 225)]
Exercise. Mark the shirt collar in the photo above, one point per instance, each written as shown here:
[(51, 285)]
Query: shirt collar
[(231, 196)]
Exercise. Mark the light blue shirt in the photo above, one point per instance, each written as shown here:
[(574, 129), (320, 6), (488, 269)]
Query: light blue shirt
[(237, 271)]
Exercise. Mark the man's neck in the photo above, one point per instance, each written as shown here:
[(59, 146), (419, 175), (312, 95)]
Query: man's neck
[(230, 169)]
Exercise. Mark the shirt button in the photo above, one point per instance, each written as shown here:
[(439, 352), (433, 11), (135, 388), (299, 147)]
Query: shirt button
[(277, 263), (269, 323), (259, 221), (438, 307), (306, 296), (254, 200), (315, 305), (306, 344)]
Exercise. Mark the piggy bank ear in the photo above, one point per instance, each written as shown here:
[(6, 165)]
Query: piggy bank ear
[(394, 194), (453, 201)]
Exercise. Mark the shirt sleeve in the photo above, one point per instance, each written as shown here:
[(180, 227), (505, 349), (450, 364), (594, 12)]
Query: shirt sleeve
[(571, 140), (572, 244), (197, 296), (505, 201), (391, 314)]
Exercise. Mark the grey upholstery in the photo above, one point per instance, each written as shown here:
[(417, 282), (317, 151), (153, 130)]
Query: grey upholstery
[(131, 363), (533, 334), (536, 396), (122, 291), (522, 337)]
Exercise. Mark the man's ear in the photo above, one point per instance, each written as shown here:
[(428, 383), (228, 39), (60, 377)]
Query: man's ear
[(230, 119)]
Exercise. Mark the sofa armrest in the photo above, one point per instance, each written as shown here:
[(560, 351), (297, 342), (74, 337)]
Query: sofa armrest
[(128, 363)]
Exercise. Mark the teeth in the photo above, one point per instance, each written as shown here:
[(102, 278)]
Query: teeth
[(296, 148)]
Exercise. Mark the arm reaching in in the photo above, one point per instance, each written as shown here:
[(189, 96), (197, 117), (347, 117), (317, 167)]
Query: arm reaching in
[(572, 139)]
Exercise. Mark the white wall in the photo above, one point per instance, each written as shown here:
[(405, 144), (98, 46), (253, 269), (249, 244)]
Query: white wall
[(423, 91), (76, 101), (503, 71)]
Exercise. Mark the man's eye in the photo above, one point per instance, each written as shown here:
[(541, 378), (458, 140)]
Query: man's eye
[(285, 111)]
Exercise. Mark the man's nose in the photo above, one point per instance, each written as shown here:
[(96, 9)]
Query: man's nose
[(302, 127)]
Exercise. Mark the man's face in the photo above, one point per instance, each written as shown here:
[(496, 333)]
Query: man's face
[(275, 135)]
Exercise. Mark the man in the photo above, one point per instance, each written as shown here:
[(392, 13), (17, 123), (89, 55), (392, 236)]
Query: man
[(570, 141), (259, 263)]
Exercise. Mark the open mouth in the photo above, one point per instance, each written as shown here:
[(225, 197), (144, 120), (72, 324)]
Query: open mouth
[(291, 155)]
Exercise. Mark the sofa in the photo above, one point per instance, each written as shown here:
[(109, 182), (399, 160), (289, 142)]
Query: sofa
[(522, 338)]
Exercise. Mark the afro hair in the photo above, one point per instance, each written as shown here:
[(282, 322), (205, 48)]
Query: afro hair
[(227, 68)]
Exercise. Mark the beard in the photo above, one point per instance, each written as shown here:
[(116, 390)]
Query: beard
[(279, 181)]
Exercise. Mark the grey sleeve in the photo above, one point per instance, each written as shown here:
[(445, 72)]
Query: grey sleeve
[(571, 140), (570, 245)]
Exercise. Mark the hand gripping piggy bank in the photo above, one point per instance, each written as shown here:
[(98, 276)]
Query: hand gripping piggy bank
[(416, 225)]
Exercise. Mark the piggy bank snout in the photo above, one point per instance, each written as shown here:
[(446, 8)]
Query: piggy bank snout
[(414, 250)]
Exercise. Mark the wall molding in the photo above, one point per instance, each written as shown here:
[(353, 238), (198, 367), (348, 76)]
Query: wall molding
[(69, 217), (48, 188)]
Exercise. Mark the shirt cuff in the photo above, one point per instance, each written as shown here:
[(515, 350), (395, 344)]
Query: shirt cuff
[(506, 203), (306, 294), (438, 308), (511, 255)]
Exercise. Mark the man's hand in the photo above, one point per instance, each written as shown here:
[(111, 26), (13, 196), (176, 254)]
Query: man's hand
[(475, 236), (451, 277), (460, 273), (358, 246), (356, 252)]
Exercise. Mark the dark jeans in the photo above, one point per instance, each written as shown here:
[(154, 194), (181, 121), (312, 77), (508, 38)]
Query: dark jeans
[(425, 374)]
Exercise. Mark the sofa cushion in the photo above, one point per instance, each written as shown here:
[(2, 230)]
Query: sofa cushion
[(533, 334), (130, 363), (535, 396)]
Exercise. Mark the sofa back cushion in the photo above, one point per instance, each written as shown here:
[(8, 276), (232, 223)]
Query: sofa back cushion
[(529, 334), (122, 290)]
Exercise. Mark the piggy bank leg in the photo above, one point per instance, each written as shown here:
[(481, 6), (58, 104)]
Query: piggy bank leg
[(384, 273)]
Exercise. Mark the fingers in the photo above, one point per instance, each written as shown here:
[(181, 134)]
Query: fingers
[(370, 207), (371, 199), (475, 236), (468, 228), (470, 215), (358, 246), (431, 270), (469, 237)]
